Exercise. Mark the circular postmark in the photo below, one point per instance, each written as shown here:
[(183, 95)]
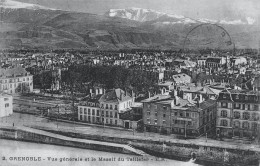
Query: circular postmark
[(208, 36)]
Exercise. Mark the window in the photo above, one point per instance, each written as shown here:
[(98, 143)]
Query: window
[(175, 113), (148, 113), (115, 114), (248, 107), (243, 106), (155, 121), (80, 117), (102, 105), (224, 96), (246, 97), (223, 113), (155, 113), (237, 97), (111, 121), (85, 110), (80, 110), (246, 115), (187, 115), (164, 122), (155, 106), (111, 107), (111, 114), (255, 116), (115, 107), (6, 105), (223, 123), (189, 123), (237, 115), (148, 120), (164, 115), (164, 107), (254, 126), (6, 99), (107, 114), (106, 120), (148, 105), (97, 112), (237, 124), (115, 122), (237, 106), (255, 107), (89, 118), (106, 106), (245, 125), (224, 105), (181, 114), (93, 112)]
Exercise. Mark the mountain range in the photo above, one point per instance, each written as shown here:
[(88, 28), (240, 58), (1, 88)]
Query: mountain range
[(25, 25)]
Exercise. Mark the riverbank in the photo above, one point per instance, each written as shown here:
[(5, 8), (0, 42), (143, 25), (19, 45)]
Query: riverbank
[(181, 149), (40, 136)]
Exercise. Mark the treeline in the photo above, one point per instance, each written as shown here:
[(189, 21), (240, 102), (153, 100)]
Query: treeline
[(82, 77)]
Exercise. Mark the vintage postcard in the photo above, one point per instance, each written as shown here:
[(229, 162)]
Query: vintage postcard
[(129, 82)]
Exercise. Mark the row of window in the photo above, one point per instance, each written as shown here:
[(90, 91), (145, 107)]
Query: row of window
[(155, 106), (237, 124), (88, 111), (237, 115), (6, 105), (106, 106), (180, 114), (241, 106), (189, 123), (14, 80), (237, 97), (97, 120)]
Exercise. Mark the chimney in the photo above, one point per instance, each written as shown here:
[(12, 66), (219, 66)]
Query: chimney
[(149, 94)]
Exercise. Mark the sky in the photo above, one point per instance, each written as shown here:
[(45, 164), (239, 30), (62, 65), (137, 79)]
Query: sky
[(211, 9)]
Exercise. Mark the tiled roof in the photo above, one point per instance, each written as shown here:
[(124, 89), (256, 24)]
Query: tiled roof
[(115, 95), (156, 98), (13, 71), (181, 77)]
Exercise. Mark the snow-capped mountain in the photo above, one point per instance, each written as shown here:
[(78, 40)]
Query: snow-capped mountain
[(10, 4), (143, 15)]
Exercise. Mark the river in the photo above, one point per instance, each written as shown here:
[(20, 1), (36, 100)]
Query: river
[(15, 153)]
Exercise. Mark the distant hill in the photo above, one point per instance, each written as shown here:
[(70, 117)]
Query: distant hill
[(26, 25)]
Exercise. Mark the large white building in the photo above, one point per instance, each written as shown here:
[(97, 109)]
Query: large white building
[(6, 105), (105, 109), (15, 80)]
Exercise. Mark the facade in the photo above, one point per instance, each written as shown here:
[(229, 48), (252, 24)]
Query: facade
[(15, 80), (238, 114), (174, 115), (6, 105), (89, 111), (216, 61), (105, 108)]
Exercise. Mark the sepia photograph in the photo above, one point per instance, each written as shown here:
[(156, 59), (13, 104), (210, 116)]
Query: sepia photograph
[(129, 83)]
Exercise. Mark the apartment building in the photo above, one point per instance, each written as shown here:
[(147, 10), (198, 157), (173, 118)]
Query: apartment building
[(238, 114), (15, 80), (174, 115), (6, 105), (105, 108)]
